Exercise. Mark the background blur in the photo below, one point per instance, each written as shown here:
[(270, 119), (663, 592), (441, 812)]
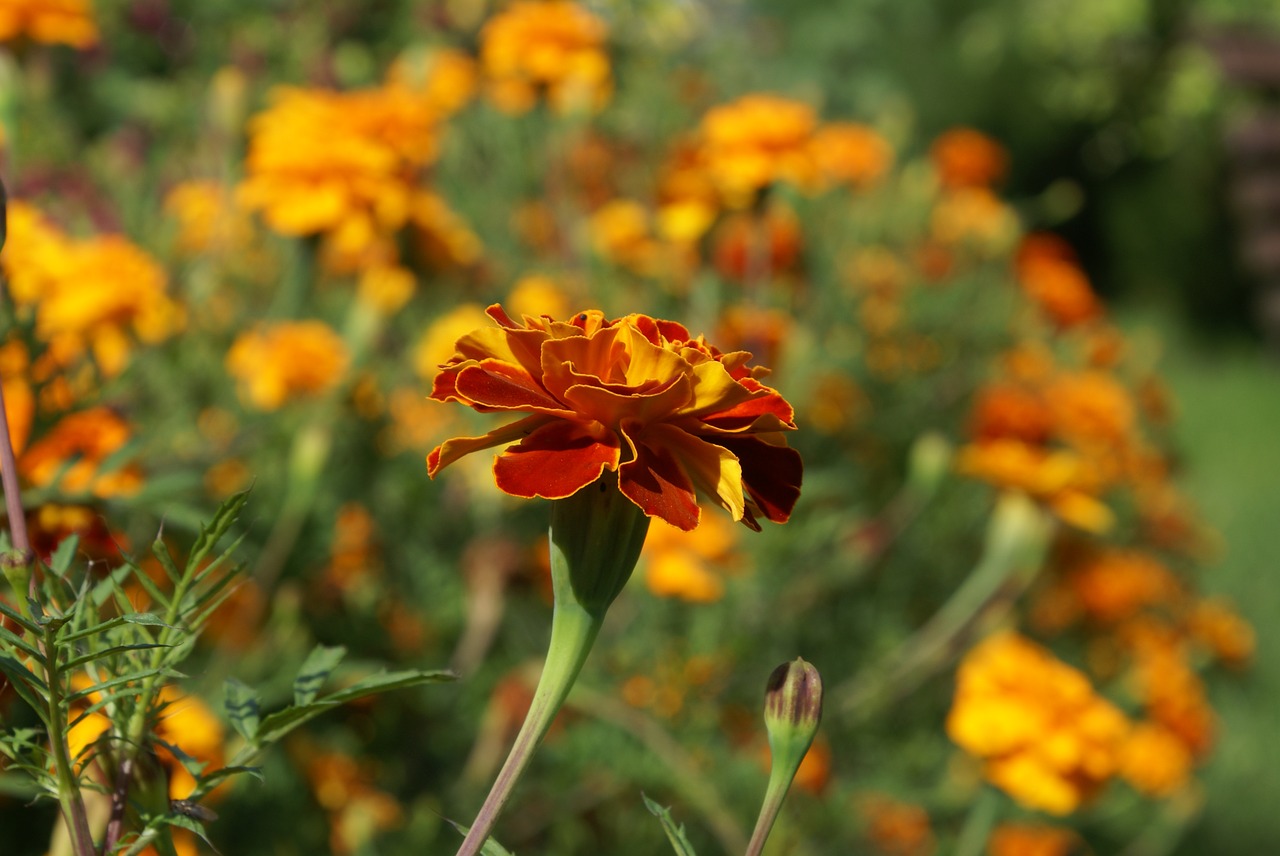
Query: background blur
[(1074, 299)]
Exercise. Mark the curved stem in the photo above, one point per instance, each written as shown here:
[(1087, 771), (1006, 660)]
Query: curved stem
[(573, 630), (779, 783)]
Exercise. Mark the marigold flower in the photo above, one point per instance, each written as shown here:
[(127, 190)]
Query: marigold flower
[(207, 219), (756, 141), (1222, 630), (669, 413), (277, 362), (1115, 584), (1155, 761), (1010, 411), (684, 564), (1090, 407), (1047, 738), (1057, 478), (851, 153), (756, 247), (73, 451), (896, 828), (65, 22), (556, 47), (964, 157), (1050, 275), (1033, 839)]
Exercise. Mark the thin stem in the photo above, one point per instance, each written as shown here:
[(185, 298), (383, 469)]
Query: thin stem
[(9, 475), (573, 630), (779, 783), (977, 826), (69, 796)]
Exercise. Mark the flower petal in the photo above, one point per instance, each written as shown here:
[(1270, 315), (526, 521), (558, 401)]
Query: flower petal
[(706, 466), (451, 450), (556, 461), (497, 385), (611, 408), (654, 480), (771, 475)]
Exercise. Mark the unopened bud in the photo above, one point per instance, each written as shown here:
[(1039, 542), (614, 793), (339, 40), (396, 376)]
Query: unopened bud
[(16, 567), (793, 707)]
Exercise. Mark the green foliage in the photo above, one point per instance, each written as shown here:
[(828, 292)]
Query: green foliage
[(675, 833)]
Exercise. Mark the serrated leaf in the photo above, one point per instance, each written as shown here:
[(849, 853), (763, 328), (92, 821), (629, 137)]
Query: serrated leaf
[(675, 834), (109, 586), (315, 670), (119, 680), (278, 724), (243, 709), (18, 618), (213, 531), (149, 586), (28, 687), (161, 551), (490, 847), (221, 773), (60, 561), (146, 619), (15, 641)]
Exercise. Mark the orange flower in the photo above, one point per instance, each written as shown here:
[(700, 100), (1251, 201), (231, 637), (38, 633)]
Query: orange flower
[(67, 22), (1032, 839), (896, 828), (1115, 584), (641, 397), (852, 153), (968, 158), (756, 141), (1050, 275), (684, 564), (1057, 478), (286, 360), (1155, 761), (1013, 412), (1048, 739), (555, 46), (71, 453)]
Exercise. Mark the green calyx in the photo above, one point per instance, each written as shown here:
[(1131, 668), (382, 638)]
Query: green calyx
[(596, 538)]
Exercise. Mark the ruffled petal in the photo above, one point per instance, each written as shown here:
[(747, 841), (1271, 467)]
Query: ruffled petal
[(496, 385), (451, 450), (654, 480), (715, 390), (556, 461), (771, 475), (611, 408), (715, 470)]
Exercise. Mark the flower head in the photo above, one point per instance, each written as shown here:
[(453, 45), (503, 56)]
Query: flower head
[(67, 22), (669, 413), (556, 46), (278, 362)]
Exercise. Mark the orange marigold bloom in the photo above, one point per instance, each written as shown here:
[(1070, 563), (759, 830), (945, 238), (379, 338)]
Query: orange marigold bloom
[(1047, 738), (207, 219), (964, 157), (1115, 584), (1056, 478), (896, 828), (1049, 273), (1009, 411), (1155, 761), (1033, 839), (756, 247), (756, 141), (851, 153), (669, 413), (65, 22), (277, 362), (74, 449), (556, 46), (1091, 406), (1223, 631)]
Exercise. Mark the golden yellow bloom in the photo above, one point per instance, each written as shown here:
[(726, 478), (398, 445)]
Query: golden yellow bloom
[(850, 153), (621, 232), (536, 295), (1033, 839), (75, 449), (964, 157), (436, 345), (556, 47), (1056, 478), (65, 22), (689, 565), (86, 293), (386, 288), (1091, 407), (1155, 761), (187, 723), (285, 360), (443, 237), (343, 164), (1048, 740), (756, 141), (446, 78)]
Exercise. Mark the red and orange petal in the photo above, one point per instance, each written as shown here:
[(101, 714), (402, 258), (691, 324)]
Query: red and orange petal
[(672, 415)]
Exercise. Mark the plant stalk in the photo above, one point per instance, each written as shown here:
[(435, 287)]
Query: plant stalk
[(779, 783)]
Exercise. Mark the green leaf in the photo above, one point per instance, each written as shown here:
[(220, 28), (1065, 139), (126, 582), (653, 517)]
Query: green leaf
[(212, 532), (109, 586), (278, 724), (675, 834), (207, 782), (110, 652), (17, 618), (315, 670), (60, 561), (490, 848), (243, 709), (386, 681), (136, 677), (161, 551), (147, 619), (16, 641), (150, 587)]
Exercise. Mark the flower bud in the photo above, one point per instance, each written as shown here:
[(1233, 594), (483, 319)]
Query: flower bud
[(596, 537), (792, 709)]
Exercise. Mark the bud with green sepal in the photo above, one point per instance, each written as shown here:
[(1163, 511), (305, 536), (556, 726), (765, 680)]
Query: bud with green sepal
[(792, 713)]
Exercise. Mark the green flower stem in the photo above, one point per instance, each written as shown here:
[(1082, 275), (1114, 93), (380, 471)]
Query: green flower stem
[(779, 783), (977, 826), (69, 796), (573, 631)]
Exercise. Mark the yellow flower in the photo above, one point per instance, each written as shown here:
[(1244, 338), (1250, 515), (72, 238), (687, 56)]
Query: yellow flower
[(556, 47), (446, 78), (1056, 478), (66, 22), (86, 293), (756, 141), (621, 232), (344, 164), (1046, 738), (535, 295), (436, 345), (187, 723), (285, 360)]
